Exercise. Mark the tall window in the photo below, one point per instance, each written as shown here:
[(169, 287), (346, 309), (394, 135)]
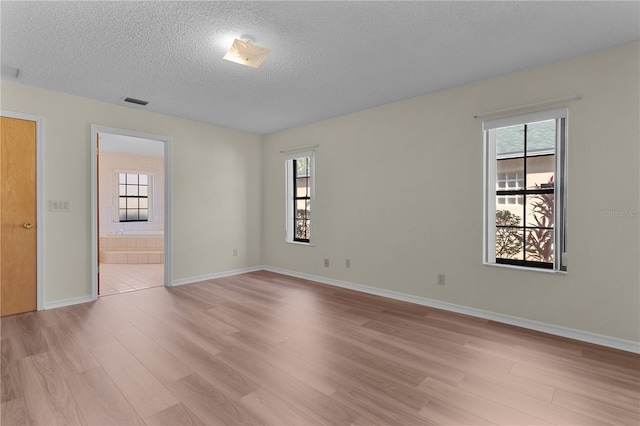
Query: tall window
[(300, 187), (525, 190), (133, 197)]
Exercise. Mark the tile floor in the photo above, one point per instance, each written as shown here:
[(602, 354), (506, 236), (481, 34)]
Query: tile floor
[(120, 278)]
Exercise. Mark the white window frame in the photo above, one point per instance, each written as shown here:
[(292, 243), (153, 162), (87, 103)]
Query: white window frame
[(560, 182), (289, 184), (116, 196)]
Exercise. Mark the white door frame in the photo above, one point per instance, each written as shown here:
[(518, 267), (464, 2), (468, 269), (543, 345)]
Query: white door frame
[(95, 130), (39, 199)]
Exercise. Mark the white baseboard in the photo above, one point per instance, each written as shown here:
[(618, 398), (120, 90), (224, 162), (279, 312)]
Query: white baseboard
[(84, 299), (190, 280), (67, 302), (585, 336)]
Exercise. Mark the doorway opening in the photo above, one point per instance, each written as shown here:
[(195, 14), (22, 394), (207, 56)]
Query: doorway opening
[(131, 197)]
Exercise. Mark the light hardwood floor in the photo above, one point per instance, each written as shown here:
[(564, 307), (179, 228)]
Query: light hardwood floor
[(263, 348)]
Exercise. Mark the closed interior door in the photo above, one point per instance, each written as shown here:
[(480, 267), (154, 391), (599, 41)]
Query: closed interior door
[(18, 264)]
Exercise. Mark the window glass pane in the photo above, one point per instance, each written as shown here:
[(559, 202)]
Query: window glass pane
[(132, 179), (143, 203), (302, 229), (541, 137), (122, 203), (302, 187), (510, 174), (132, 189), (539, 245), (143, 180), (302, 209), (302, 166), (123, 215), (302, 219), (509, 216), (540, 171), (143, 191), (510, 140), (516, 200), (132, 203), (509, 243), (143, 214), (132, 214), (122, 178), (540, 210)]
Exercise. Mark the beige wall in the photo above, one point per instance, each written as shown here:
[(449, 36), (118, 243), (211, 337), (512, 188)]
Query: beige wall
[(216, 174), (399, 192)]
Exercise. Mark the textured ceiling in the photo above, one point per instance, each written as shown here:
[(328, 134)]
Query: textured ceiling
[(328, 59)]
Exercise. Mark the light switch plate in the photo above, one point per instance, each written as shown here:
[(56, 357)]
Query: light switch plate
[(59, 205)]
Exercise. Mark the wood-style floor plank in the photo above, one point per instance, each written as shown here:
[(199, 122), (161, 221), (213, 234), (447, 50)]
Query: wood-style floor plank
[(162, 364), (272, 410), (268, 349), (447, 414), (378, 409), (209, 367), (10, 385), (14, 413), (310, 401), (209, 403), (25, 334), (47, 398), (67, 350), (143, 391), (178, 414), (100, 401), (477, 405)]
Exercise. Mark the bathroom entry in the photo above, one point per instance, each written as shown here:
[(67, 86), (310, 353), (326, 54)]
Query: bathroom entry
[(130, 213)]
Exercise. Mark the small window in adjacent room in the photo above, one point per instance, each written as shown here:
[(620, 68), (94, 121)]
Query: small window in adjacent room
[(525, 190), (133, 197), (300, 194)]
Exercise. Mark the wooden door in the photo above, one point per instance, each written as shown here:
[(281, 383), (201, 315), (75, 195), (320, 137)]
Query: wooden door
[(18, 265)]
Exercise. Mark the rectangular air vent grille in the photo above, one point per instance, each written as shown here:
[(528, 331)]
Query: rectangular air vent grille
[(135, 101)]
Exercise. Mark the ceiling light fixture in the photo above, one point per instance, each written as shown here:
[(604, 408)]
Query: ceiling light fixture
[(244, 52)]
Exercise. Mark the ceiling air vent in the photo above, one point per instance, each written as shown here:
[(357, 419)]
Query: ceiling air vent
[(135, 101), (8, 71)]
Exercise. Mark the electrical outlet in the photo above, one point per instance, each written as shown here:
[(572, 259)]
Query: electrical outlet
[(347, 263), (440, 279), (326, 263), (235, 251)]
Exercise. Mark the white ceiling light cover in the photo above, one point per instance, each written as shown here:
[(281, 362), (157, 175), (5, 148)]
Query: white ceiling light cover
[(246, 53)]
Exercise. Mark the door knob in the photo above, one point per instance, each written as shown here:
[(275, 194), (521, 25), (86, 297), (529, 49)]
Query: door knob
[(28, 225)]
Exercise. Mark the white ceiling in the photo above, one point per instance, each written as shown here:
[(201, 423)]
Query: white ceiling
[(328, 58)]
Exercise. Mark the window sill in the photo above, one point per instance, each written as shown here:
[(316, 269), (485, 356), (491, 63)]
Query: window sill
[(524, 268), (298, 243)]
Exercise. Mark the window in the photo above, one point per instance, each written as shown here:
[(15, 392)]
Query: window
[(300, 193), (525, 190), (133, 197)]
